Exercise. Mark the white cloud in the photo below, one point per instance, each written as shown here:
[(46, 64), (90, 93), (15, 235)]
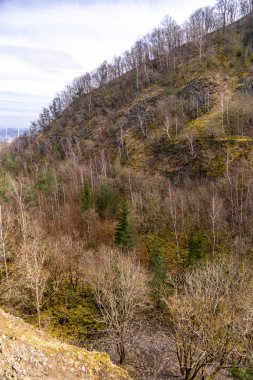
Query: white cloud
[(44, 45)]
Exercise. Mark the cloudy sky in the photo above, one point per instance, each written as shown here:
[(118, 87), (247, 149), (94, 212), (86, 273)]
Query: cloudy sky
[(44, 44)]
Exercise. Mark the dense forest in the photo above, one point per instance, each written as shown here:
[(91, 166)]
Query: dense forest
[(126, 210)]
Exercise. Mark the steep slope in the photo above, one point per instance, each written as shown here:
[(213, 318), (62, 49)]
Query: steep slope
[(26, 353), (170, 140), (178, 121)]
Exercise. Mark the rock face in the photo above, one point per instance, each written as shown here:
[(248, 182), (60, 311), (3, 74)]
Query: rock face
[(27, 353)]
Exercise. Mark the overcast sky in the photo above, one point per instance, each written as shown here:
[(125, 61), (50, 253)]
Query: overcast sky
[(45, 44)]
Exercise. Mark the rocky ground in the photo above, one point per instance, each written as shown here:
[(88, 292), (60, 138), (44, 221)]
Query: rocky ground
[(27, 353)]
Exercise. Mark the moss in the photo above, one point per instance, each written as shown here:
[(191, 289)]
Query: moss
[(176, 259), (217, 167), (71, 314), (242, 374), (62, 358), (237, 139), (197, 125)]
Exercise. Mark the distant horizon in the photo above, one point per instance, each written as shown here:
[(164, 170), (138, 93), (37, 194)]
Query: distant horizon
[(12, 128)]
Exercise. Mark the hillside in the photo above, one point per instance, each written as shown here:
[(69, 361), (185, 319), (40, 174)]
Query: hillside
[(126, 211), (27, 353), (175, 123)]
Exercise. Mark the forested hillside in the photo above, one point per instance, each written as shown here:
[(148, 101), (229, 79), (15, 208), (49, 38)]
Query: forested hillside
[(126, 211)]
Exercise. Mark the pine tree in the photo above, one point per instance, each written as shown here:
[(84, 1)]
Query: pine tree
[(197, 246), (160, 281), (124, 231), (105, 200), (86, 197)]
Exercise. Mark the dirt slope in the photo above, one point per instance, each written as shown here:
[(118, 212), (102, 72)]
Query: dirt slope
[(27, 353)]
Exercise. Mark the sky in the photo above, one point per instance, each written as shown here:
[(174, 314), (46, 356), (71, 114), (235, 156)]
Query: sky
[(45, 44)]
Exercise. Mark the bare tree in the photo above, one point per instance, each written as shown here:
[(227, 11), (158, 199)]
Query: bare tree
[(175, 205), (190, 136), (200, 23), (216, 217), (245, 7), (3, 243), (168, 112), (239, 185), (212, 316), (33, 260), (232, 11), (67, 260), (120, 290), (173, 39), (17, 190), (227, 10)]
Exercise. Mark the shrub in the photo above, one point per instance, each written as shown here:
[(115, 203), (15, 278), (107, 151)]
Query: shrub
[(4, 188), (10, 163), (242, 374)]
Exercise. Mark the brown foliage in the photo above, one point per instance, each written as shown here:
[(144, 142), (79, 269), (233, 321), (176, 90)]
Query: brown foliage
[(212, 318)]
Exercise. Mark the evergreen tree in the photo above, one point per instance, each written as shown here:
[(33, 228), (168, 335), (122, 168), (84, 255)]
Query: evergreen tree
[(124, 231), (105, 200), (197, 246), (86, 197), (160, 281)]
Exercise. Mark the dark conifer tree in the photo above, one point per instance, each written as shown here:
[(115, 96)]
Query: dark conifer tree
[(160, 281), (86, 197), (124, 231)]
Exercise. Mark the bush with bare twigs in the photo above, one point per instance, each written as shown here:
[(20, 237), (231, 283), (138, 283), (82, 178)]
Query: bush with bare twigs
[(120, 286), (212, 317)]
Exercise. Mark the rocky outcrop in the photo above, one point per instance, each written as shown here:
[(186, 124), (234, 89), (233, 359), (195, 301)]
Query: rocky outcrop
[(27, 353)]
